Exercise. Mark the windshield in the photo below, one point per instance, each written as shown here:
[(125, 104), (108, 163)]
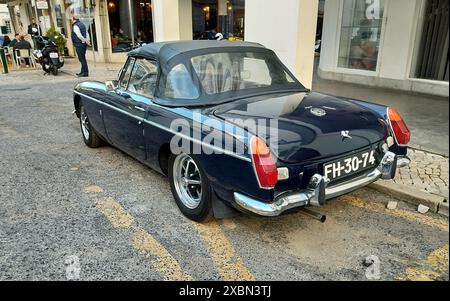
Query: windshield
[(225, 75)]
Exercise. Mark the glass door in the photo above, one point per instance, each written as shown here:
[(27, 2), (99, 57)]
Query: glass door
[(361, 28)]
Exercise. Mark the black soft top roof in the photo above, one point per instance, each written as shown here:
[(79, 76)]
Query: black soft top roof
[(164, 51), (170, 54)]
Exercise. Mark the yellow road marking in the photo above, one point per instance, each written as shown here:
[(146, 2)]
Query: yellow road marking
[(405, 214), (439, 259), (229, 264), (159, 258), (115, 213), (93, 189), (435, 265)]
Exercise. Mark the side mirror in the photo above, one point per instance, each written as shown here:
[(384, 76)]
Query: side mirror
[(111, 85)]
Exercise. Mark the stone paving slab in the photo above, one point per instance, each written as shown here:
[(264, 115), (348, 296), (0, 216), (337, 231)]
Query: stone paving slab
[(427, 172)]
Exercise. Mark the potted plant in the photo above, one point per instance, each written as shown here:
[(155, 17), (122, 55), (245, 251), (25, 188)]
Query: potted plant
[(56, 37)]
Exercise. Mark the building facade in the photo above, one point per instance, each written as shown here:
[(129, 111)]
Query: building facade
[(398, 44), (116, 24), (6, 27)]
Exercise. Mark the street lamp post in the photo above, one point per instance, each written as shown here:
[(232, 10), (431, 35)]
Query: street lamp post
[(131, 23), (90, 29), (37, 18)]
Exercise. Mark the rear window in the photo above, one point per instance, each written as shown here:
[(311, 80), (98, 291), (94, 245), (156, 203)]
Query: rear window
[(216, 77), (227, 72), (179, 84)]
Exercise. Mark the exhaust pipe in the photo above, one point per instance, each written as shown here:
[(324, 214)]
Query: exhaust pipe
[(316, 215)]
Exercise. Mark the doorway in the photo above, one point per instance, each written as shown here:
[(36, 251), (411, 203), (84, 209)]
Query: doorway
[(432, 59)]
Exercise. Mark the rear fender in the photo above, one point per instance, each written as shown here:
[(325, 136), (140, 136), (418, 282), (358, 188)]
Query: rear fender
[(55, 62), (380, 110)]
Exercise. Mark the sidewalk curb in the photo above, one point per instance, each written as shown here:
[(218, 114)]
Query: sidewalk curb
[(436, 203)]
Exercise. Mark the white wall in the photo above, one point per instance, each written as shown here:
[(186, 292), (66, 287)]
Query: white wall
[(396, 50), (288, 28), (172, 20), (4, 16)]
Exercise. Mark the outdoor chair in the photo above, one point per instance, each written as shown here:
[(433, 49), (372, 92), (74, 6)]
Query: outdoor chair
[(22, 55)]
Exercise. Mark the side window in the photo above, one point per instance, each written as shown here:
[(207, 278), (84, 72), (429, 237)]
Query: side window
[(126, 71), (179, 84), (143, 77)]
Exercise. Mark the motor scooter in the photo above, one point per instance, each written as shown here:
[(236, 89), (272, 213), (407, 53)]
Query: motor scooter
[(47, 54)]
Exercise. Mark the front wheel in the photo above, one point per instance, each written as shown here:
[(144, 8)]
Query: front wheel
[(46, 70), (90, 136), (190, 188)]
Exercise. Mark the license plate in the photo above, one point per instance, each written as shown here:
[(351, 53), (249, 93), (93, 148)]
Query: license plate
[(348, 166), (54, 55)]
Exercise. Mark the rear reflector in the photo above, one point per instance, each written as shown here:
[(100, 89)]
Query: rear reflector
[(401, 132), (264, 163)]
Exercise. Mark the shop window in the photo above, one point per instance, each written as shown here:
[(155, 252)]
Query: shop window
[(123, 29), (360, 34), (210, 17)]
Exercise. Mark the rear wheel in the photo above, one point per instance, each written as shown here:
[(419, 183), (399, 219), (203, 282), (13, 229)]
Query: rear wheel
[(55, 70), (90, 136), (190, 187)]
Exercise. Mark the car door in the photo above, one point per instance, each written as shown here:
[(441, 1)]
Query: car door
[(128, 107)]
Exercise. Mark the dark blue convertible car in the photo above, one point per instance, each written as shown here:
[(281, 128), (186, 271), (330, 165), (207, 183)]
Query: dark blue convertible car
[(231, 127)]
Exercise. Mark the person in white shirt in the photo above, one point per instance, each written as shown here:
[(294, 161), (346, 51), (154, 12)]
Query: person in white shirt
[(80, 40)]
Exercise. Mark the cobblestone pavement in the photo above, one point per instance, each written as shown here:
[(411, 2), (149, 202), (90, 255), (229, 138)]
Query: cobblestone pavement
[(100, 72), (427, 172)]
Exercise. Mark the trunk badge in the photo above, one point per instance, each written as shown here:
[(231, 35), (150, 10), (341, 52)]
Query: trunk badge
[(318, 112), (345, 135)]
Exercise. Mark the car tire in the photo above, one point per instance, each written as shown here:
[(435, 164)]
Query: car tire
[(90, 136), (195, 207)]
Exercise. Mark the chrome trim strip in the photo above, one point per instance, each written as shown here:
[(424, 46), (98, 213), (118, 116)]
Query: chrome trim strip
[(351, 185), (212, 147), (271, 209)]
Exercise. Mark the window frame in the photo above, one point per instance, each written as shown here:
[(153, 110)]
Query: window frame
[(157, 77), (124, 71)]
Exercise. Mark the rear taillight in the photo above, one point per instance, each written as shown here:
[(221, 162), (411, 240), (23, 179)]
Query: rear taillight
[(402, 134), (264, 163)]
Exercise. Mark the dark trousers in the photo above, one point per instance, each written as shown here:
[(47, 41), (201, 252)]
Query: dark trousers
[(81, 53)]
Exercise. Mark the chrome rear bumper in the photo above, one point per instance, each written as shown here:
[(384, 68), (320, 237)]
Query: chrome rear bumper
[(317, 191)]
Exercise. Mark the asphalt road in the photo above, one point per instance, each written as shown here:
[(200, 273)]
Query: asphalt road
[(70, 212)]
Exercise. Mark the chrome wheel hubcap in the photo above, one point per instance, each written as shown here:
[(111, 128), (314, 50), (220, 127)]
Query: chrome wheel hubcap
[(187, 180), (84, 124)]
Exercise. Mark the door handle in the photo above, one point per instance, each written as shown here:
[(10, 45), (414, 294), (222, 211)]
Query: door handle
[(139, 108)]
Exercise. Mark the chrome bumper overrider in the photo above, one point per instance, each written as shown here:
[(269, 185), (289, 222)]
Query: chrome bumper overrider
[(318, 191)]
